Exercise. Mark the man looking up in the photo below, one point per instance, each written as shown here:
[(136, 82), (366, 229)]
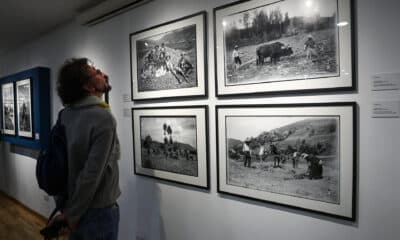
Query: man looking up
[(91, 210)]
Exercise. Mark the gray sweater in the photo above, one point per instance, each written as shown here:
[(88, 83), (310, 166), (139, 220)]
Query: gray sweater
[(93, 152)]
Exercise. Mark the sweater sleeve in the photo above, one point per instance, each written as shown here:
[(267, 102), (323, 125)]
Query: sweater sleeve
[(89, 178)]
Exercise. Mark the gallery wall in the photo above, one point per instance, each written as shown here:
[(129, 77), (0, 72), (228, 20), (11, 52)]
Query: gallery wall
[(154, 209)]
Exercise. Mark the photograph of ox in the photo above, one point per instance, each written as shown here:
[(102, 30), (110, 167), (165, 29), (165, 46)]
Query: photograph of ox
[(170, 143), (24, 108), (301, 156), (169, 60), (270, 46), (8, 108)]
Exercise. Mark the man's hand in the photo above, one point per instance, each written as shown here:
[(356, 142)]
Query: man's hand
[(64, 230)]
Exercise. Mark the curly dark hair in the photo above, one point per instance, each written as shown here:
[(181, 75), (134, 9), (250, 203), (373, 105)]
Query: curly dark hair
[(73, 75)]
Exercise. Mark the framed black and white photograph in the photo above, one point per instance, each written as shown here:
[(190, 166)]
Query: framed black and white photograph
[(270, 46), (302, 155), (170, 143), (8, 108), (169, 60), (24, 108)]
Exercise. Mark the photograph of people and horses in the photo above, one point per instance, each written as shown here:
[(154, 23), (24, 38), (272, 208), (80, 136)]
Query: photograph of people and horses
[(282, 41), (168, 60), (24, 107), (8, 108), (169, 144), (291, 155)]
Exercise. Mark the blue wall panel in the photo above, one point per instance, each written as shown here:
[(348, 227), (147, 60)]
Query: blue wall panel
[(40, 93)]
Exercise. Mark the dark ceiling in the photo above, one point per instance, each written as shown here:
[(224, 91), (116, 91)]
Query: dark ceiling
[(22, 21)]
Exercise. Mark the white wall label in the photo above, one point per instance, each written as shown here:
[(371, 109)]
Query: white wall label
[(126, 97), (37, 136), (386, 81), (386, 109)]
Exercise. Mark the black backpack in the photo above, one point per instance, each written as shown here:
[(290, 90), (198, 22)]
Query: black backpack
[(52, 165)]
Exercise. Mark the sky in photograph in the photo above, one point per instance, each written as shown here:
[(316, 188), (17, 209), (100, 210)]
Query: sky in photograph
[(24, 92), (161, 35), (8, 93), (295, 8), (158, 36), (183, 129), (242, 127)]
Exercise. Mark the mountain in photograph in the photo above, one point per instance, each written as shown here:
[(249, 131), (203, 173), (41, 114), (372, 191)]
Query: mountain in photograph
[(144, 45), (178, 145), (234, 143), (183, 39), (317, 136)]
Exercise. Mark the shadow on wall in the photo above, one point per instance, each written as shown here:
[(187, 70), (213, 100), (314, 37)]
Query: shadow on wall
[(141, 203), (149, 223)]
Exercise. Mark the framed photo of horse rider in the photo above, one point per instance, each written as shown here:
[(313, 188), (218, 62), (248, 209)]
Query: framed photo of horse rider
[(274, 46), (169, 60), (8, 108), (297, 155), (171, 143), (24, 108)]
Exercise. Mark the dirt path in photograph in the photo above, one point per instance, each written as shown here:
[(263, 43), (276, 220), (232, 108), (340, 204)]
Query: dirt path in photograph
[(286, 180)]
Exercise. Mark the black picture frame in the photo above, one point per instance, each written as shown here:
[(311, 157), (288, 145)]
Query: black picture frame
[(171, 143), (24, 98), (177, 69), (320, 177), (276, 60), (8, 109), (39, 84)]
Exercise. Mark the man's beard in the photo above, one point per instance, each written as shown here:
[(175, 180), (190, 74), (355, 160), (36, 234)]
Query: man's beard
[(107, 87)]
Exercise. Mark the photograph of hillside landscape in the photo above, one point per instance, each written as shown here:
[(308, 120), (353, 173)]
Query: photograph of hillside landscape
[(290, 155), (281, 41), (169, 144)]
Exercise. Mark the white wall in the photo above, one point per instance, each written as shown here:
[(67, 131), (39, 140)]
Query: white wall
[(157, 210)]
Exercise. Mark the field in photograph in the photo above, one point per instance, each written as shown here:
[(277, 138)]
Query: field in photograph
[(285, 180), (175, 164), (295, 66)]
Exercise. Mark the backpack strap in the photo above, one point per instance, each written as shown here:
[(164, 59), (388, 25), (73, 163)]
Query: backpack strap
[(59, 115), (53, 213)]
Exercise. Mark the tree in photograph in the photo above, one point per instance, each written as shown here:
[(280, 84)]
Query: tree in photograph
[(246, 23), (286, 22), (276, 20), (261, 25), (165, 147), (165, 141), (147, 144), (232, 35), (169, 131), (165, 128)]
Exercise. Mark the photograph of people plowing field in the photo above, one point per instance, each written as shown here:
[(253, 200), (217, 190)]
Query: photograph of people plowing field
[(282, 41)]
